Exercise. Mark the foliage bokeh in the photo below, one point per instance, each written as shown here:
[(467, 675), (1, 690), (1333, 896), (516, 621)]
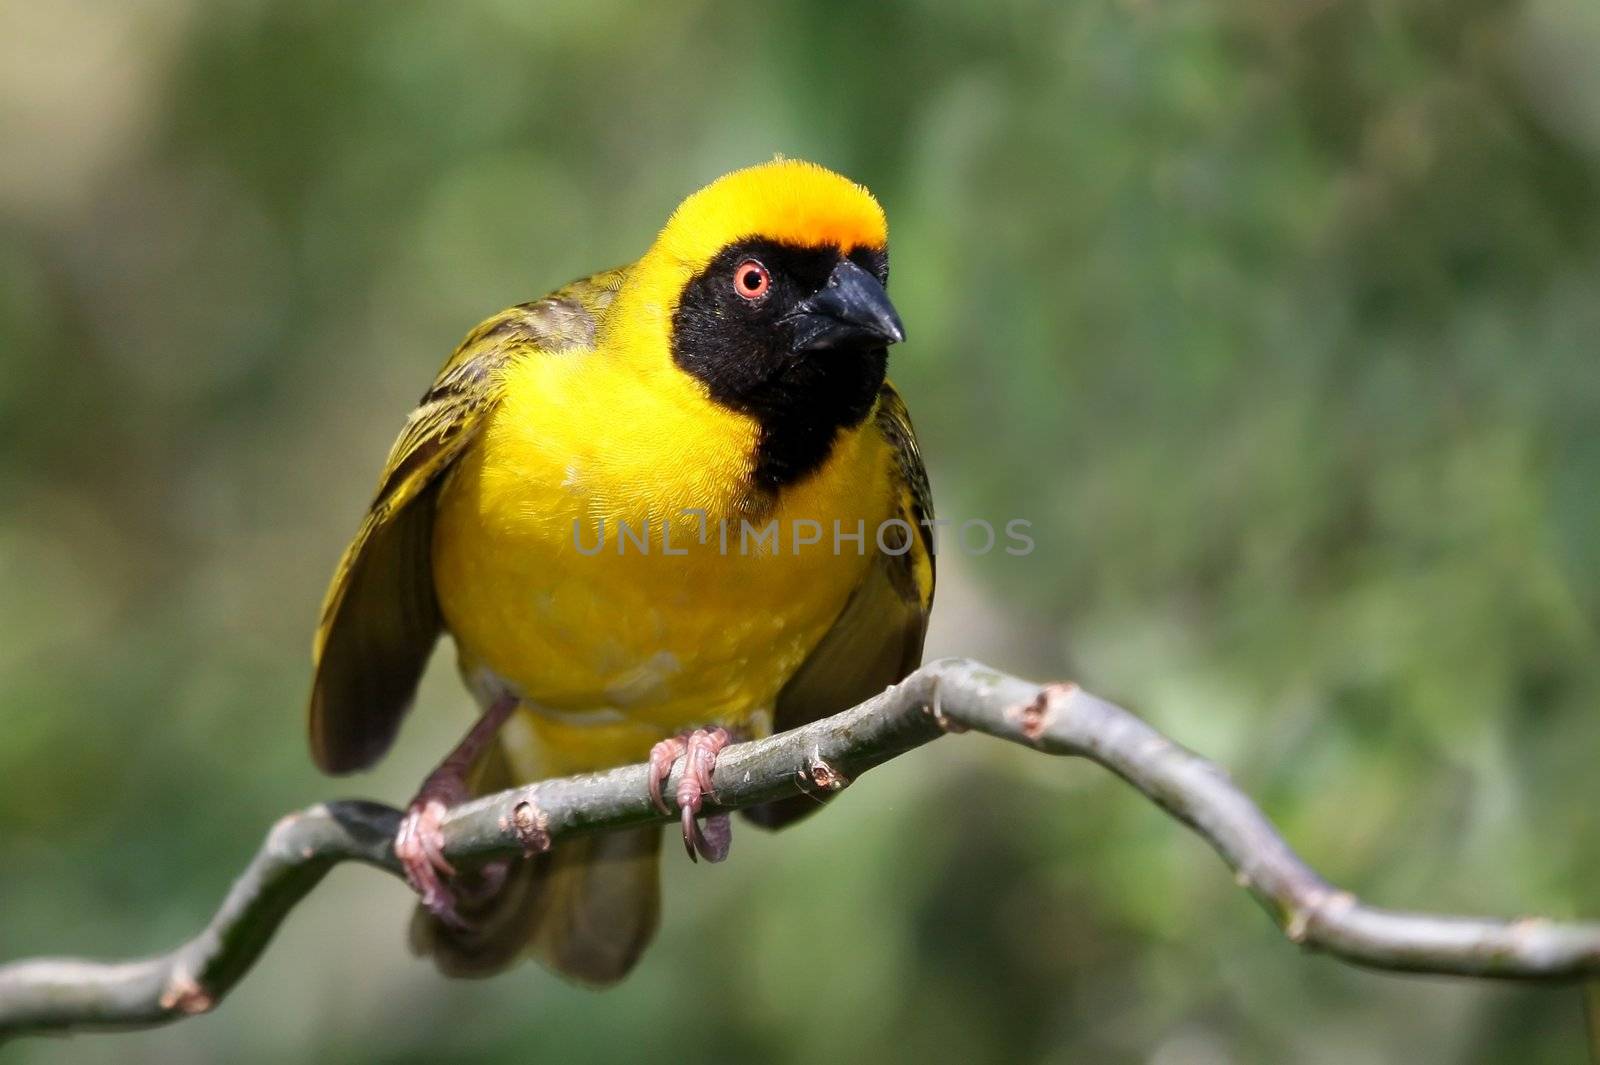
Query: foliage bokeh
[(1279, 322)]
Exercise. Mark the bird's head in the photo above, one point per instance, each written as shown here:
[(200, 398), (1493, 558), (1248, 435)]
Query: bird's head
[(769, 287)]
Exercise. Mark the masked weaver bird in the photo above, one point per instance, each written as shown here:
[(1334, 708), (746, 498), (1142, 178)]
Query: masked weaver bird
[(734, 374)]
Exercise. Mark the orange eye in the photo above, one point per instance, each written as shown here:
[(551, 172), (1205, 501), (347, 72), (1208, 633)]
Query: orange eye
[(751, 280)]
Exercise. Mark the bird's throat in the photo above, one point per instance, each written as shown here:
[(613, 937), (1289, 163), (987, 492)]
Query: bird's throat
[(802, 413)]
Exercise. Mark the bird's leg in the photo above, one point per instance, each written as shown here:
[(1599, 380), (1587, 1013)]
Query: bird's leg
[(420, 844), (699, 750)]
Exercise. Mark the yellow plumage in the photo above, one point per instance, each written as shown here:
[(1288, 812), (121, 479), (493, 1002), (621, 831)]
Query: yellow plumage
[(561, 424), (661, 642)]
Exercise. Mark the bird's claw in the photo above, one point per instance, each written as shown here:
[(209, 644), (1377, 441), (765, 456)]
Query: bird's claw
[(662, 756), (420, 847), (699, 749)]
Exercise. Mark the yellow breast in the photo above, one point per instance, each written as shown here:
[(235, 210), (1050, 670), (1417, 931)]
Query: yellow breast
[(569, 568)]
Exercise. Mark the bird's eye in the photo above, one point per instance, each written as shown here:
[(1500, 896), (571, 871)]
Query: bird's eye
[(751, 280)]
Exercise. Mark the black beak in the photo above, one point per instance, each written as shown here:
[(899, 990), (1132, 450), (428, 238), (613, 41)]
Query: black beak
[(851, 308)]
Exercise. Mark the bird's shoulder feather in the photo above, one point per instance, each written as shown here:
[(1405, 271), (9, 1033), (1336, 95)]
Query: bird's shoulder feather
[(380, 617)]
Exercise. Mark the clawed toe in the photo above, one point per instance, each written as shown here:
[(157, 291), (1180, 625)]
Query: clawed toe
[(420, 847), (699, 749), (419, 843), (662, 756)]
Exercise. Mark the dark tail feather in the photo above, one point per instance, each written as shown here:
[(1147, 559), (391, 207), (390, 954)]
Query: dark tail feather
[(587, 909), (601, 904), (500, 925)]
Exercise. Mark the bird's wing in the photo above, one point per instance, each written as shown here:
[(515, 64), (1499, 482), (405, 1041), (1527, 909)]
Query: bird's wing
[(877, 638), (380, 618)]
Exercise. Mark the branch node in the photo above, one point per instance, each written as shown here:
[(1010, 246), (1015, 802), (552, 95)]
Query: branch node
[(532, 828), (825, 776), (1526, 928), (183, 994), (1321, 903), (1295, 929), (1034, 718), (279, 836), (935, 709)]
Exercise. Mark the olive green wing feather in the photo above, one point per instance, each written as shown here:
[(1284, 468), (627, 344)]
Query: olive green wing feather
[(380, 618), (877, 638)]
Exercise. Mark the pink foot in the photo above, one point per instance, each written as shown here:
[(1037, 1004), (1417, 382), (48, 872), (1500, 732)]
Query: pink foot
[(419, 844), (699, 749), (420, 847)]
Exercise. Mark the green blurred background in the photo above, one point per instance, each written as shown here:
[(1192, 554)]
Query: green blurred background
[(1280, 321)]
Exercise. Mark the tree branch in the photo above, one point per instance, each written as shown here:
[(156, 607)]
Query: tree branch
[(952, 695)]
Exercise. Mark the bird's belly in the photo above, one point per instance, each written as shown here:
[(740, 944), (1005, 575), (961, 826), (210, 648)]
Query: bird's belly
[(612, 645)]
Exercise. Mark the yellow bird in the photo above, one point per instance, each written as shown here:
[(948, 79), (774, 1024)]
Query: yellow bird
[(666, 504)]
